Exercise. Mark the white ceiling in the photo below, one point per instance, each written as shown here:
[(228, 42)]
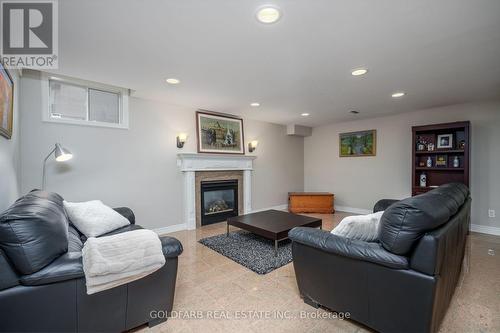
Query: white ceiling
[(439, 52)]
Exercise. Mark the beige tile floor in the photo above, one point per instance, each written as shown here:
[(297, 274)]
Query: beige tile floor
[(211, 284)]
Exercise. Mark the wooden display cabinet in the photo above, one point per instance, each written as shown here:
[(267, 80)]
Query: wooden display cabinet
[(447, 164)]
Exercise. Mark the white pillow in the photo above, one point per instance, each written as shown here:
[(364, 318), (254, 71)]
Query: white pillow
[(361, 227), (93, 218)]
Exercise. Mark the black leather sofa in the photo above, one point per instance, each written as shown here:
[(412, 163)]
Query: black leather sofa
[(402, 283), (42, 284)]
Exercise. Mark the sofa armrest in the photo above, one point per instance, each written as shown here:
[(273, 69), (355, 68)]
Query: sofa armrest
[(171, 246), (383, 204), (345, 247), (127, 212), (8, 276), (66, 267)]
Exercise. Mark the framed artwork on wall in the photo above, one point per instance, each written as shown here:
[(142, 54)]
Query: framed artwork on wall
[(219, 133), (356, 144), (6, 102)]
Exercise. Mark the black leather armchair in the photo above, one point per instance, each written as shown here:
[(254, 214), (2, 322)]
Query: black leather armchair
[(404, 282), (44, 288)]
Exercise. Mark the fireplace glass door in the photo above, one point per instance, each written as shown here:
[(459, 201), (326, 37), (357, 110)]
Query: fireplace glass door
[(219, 200)]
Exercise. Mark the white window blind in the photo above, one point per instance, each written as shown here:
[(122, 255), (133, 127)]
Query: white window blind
[(81, 104), (68, 101), (104, 106)]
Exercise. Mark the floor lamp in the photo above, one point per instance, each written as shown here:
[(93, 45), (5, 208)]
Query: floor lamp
[(61, 154)]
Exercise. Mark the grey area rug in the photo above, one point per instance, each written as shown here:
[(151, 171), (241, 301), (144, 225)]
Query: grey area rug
[(251, 251)]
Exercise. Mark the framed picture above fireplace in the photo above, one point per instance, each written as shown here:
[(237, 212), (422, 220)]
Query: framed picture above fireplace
[(219, 133)]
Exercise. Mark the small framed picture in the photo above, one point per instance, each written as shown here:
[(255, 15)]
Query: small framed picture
[(441, 161), (354, 144), (445, 141)]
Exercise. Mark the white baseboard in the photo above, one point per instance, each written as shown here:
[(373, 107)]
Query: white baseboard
[(484, 229), (279, 207), (170, 228), (352, 210)]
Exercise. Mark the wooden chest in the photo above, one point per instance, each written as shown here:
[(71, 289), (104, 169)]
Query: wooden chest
[(311, 202)]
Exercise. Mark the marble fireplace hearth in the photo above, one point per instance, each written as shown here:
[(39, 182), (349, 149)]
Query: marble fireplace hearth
[(196, 168)]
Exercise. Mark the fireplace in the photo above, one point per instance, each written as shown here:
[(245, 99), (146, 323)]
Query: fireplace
[(219, 200), (197, 168)]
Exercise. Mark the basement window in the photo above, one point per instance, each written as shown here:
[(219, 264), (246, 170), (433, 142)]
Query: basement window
[(78, 102)]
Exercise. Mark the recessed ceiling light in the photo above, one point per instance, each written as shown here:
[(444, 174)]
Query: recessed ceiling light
[(268, 14), (354, 112), (173, 81), (255, 104), (359, 71), (398, 94), (305, 114)]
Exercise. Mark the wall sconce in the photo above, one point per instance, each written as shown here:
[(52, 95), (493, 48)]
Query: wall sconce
[(181, 139), (252, 145)]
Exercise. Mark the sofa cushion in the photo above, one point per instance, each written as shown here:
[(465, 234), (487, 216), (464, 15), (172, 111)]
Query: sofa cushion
[(406, 221), (93, 218), (67, 267), (360, 227), (75, 243), (457, 193), (34, 231)]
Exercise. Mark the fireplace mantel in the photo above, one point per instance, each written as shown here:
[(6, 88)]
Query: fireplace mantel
[(214, 162), (189, 163)]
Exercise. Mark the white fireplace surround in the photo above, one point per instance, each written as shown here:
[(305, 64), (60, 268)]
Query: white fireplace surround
[(189, 163)]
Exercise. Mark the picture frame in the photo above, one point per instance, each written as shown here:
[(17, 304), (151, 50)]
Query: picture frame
[(358, 144), (441, 161), (445, 141), (219, 133), (6, 102)]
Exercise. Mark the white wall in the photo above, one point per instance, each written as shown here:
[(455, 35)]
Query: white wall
[(360, 181), (279, 166), (9, 155), (137, 167)]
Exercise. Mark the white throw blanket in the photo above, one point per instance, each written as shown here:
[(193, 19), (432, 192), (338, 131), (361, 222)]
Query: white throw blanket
[(361, 227), (114, 260)]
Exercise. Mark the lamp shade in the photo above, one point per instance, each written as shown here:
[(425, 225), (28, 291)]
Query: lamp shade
[(182, 137), (62, 154)]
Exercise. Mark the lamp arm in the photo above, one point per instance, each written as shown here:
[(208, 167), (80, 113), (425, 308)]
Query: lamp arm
[(43, 169)]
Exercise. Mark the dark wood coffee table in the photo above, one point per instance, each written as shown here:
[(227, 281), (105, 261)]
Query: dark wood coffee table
[(272, 224)]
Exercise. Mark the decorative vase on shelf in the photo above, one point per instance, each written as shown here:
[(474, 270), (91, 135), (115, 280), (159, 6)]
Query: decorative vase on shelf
[(429, 162), (423, 179), (456, 162)]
